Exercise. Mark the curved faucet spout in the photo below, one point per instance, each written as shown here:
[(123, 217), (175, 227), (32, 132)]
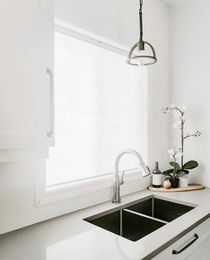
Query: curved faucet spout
[(116, 183)]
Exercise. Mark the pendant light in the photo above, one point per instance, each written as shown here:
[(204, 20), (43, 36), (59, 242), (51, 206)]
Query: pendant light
[(142, 53)]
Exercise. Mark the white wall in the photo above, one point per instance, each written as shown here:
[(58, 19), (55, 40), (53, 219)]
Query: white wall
[(191, 78), (117, 20)]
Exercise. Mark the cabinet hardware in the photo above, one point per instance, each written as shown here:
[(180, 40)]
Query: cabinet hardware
[(175, 252), (51, 129)]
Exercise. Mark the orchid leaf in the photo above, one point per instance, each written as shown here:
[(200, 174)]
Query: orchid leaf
[(175, 165), (190, 165), (168, 172)]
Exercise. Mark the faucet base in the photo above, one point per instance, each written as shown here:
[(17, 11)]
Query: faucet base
[(116, 201)]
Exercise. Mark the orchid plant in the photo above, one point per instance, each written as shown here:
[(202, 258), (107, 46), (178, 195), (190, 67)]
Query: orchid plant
[(177, 170), (182, 168)]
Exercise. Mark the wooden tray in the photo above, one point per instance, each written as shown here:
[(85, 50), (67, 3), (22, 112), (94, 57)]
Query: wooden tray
[(189, 188)]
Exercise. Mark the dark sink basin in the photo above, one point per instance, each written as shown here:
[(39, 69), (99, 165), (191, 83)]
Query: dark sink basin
[(161, 209), (126, 224), (139, 218)]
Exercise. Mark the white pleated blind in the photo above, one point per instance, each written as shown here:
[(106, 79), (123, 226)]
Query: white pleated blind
[(98, 111)]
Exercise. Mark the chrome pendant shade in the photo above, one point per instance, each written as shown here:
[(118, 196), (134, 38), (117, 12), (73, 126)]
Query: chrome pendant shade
[(142, 53), (142, 56)]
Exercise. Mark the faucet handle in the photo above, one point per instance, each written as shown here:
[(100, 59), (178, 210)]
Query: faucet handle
[(122, 178)]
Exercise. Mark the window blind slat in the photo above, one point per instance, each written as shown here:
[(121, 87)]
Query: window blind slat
[(96, 111)]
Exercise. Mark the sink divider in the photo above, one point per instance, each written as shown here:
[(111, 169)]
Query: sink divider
[(142, 215)]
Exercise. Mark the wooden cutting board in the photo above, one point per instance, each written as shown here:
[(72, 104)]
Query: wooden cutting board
[(189, 188)]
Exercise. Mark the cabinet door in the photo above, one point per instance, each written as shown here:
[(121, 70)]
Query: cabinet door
[(26, 51), (187, 247), (202, 252)]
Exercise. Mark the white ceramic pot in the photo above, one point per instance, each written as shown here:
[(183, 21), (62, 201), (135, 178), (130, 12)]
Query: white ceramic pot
[(184, 181)]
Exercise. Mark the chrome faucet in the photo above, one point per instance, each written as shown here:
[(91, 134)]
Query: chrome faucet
[(116, 183)]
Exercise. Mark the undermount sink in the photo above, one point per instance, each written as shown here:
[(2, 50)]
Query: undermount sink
[(139, 218), (161, 209)]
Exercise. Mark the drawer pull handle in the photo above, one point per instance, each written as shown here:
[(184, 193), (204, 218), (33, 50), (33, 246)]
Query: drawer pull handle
[(195, 237)]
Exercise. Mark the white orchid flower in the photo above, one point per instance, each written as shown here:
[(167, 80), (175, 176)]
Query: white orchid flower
[(177, 124), (197, 133), (183, 108), (176, 114), (164, 110), (171, 153), (172, 105), (179, 154), (176, 110), (180, 119), (184, 117), (174, 155)]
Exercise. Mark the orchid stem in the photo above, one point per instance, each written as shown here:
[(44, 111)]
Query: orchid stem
[(182, 142)]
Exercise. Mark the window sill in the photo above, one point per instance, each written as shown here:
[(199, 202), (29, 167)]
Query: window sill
[(74, 190)]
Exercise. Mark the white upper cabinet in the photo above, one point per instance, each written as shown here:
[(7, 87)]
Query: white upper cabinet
[(26, 74)]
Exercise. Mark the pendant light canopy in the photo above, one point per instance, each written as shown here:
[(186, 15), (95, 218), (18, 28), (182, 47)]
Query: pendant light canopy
[(142, 53)]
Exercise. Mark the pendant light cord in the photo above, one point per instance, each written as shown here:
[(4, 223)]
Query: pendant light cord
[(141, 20), (141, 58)]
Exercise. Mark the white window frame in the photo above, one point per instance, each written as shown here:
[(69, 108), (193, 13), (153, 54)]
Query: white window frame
[(45, 196)]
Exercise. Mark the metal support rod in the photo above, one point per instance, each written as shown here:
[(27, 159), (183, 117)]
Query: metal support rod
[(182, 142)]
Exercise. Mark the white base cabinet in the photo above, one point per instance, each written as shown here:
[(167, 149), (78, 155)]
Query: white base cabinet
[(202, 251), (194, 245)]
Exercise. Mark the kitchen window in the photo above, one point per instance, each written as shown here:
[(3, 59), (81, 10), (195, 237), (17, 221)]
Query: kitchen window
[(99, 110)]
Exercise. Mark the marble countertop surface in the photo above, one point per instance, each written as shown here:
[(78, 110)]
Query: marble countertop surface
[(69, 237)]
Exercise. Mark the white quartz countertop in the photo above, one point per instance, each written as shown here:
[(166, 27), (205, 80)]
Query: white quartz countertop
[(69, 237)]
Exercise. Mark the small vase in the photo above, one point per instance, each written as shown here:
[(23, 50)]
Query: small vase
[(174, 183), (184, 181)]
